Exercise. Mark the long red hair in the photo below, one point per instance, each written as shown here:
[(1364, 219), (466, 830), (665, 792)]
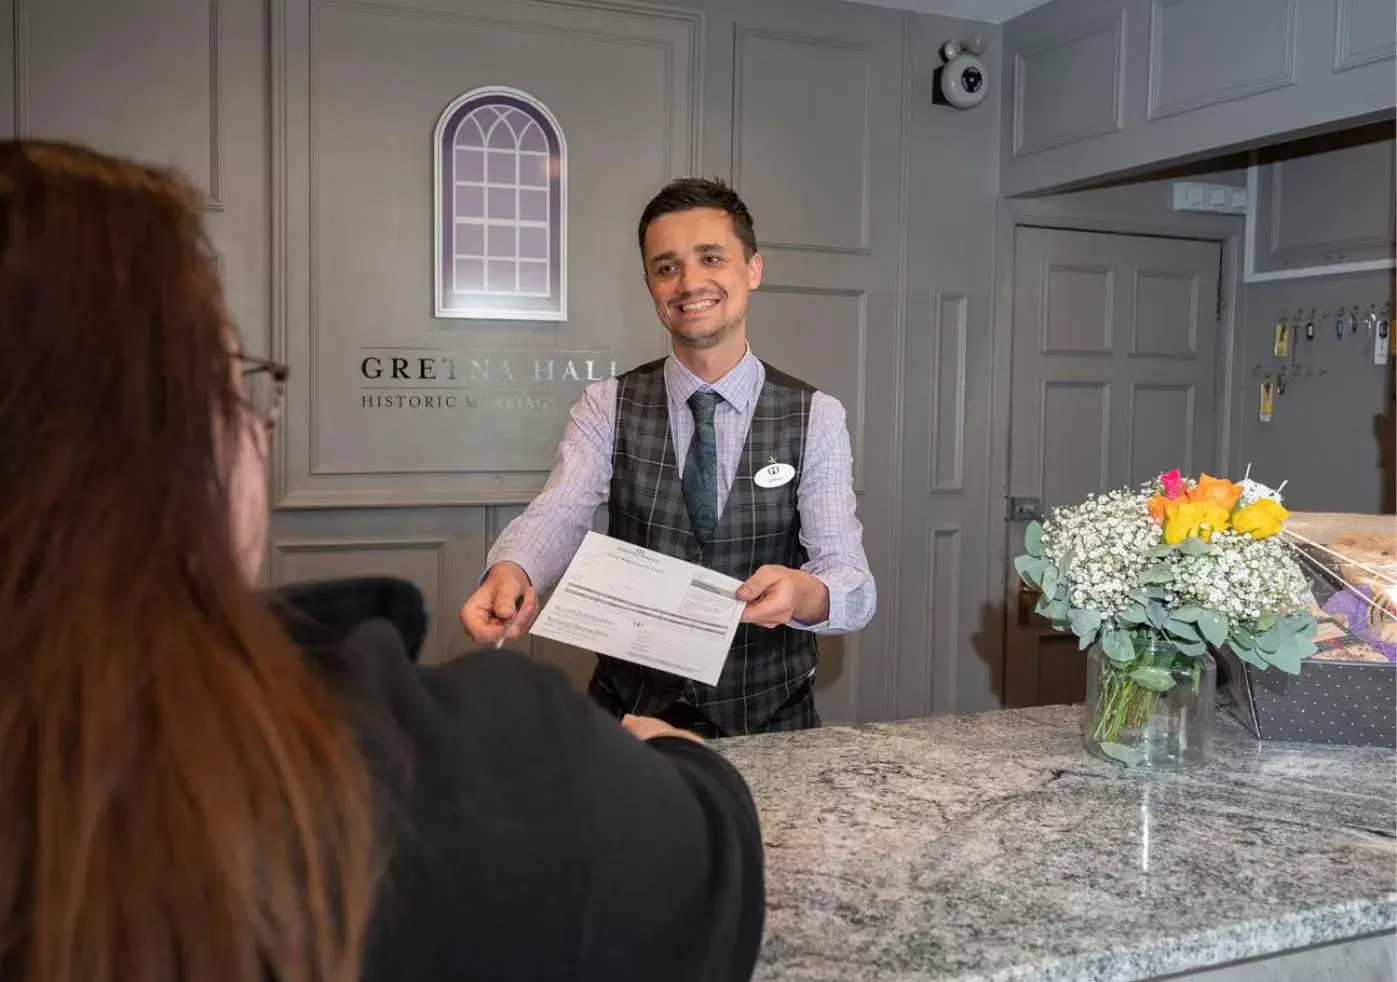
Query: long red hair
[(180, 796)]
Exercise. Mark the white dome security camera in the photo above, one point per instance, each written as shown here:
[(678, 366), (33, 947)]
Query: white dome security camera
[(964, 81)]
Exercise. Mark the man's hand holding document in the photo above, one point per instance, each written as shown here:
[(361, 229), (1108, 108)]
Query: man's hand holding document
[(641, 606)]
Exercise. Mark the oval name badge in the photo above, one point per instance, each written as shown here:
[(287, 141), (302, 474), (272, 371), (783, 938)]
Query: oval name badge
[(774, 475)]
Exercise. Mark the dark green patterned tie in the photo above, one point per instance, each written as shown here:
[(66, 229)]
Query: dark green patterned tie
[(701, 468)]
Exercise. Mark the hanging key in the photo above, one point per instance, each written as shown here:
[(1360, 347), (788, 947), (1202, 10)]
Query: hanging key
[(1310, 326), (1340, 323), (1282, 345)]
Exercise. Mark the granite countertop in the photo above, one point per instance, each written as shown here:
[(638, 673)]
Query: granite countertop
[(993, 847)]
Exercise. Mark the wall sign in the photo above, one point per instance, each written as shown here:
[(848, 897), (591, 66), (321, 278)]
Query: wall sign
[(409, 408), (402, 377), (500, 209)]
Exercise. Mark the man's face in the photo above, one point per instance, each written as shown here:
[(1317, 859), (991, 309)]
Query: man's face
[(699, 277)]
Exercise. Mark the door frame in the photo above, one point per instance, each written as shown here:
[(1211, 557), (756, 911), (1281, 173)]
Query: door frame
[(1085, 214)]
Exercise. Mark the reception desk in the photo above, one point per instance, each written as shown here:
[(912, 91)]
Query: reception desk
[(991, 847)]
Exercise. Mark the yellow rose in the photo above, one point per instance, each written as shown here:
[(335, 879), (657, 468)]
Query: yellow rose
[(1193, 519), (1261, 519)]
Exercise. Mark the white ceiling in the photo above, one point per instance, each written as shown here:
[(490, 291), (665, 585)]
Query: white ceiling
[(991, 11)]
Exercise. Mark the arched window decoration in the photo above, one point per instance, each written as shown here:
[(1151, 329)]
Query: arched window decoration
[(501, 209)]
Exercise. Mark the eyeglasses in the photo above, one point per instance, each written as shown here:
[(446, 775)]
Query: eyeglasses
[(264, 387)]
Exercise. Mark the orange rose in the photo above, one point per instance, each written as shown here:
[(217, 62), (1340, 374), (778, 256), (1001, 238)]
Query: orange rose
[(1158, 509), (1217, 491)]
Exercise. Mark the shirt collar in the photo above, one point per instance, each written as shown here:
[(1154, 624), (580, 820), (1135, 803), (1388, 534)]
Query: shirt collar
[(739, 387)]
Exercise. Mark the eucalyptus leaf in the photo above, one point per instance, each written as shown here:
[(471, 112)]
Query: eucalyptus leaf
[(1068, 561), (1182, 629), (1157, 614), (1157, 679), (1050, 580), (1030, 569), (1058, 609), (1187, 614), (1241, 638), (1085, 621), (1268, 641), (1306, 647), (1249, 656), (1084, 642), (1194, 649), (1153, 593), (1194, 547), (1160, 573), (1213, 626), (1300, 625), (1118, 646), (1128, 756), (1044, 602), (1266, 621), (1286, 657), (1033, 539), (1160, 551), (1134, 614)]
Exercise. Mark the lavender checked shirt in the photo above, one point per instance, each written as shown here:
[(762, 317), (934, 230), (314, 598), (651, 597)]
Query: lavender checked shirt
[(544, 538)]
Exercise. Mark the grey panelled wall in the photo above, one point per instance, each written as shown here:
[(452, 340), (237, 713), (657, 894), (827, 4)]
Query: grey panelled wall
[(1321, 201), (309, 124), (949, 654), (1098, 87), (1330, 434)]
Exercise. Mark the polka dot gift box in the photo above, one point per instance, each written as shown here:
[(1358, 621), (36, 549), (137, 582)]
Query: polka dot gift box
[(1346, 693)]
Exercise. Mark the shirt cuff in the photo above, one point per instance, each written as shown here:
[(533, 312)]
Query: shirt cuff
[(521, 561), (832, 624)]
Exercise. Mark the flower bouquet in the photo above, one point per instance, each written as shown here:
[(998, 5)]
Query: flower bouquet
[(1152, 582)]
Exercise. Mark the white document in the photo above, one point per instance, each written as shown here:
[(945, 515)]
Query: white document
[(645, 607)]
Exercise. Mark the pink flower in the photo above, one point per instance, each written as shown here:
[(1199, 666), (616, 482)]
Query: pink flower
[(1173, 483)]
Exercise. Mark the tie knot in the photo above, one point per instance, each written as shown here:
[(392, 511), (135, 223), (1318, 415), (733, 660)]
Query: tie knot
[(703, 405)]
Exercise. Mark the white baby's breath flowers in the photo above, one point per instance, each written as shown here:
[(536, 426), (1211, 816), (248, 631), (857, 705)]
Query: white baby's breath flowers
[(1103, 547), (1104, 544), (1241, 577)]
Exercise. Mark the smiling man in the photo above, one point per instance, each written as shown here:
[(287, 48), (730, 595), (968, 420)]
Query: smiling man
[(684, 448)]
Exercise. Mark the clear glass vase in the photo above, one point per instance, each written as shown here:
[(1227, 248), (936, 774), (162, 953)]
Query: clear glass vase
[(1141, 727)]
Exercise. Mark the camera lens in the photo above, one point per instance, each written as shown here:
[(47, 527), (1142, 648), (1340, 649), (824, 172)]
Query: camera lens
[(971, 80)]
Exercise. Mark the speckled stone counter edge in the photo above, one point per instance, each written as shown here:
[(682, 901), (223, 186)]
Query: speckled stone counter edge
[(1207, 949)]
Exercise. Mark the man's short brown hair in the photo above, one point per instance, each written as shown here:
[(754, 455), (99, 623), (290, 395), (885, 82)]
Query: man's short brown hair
[(689, 193)]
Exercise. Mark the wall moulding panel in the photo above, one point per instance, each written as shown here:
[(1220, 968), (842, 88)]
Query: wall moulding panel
[(1189, 79), (393, 405), (165, 109), (807, 100), (821, 334)]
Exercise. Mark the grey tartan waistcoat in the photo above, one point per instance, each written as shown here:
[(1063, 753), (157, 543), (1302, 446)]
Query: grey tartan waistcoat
[(758, 527)]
